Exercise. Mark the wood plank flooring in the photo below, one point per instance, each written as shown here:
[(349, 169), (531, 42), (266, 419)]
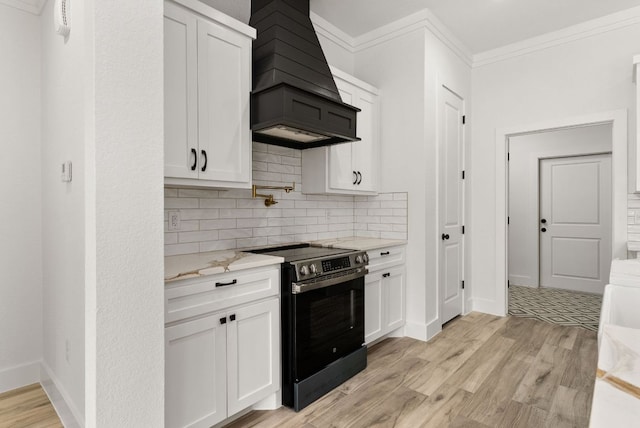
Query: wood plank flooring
[(481, 371), (28, 406)]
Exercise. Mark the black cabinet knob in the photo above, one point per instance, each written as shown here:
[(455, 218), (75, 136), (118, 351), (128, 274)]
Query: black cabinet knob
[(232, 317), (204, 155), (223, 320), (195, 159)]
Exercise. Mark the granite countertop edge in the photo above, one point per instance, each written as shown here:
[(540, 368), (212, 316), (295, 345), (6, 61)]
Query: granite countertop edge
[(360, 243)]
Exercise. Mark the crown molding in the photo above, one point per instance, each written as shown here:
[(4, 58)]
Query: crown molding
[(419, 20), (331, 32), (422, 19), (584, 30), (31, 6)]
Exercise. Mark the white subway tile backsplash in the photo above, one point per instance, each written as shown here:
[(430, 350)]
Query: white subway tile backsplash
[(217, 203), (199, 236), (228, 219), (218, 224)]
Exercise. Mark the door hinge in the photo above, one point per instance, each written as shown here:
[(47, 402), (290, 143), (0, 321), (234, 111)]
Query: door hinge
[(463, 174), (463, 229), (508, 284), (464, 119), (508, 220), (463, 284), (508, 156)]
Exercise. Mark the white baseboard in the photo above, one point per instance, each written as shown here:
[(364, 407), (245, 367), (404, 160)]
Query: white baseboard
[(68, 413), (19, 376), (488, 307), (422, 331)]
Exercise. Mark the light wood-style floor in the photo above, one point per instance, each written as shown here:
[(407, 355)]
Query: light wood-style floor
[(481, 371), (28, 406)]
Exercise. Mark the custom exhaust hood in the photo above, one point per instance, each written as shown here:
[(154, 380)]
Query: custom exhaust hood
[(295, 102)]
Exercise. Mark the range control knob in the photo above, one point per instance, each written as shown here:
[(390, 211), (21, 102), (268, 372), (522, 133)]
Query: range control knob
[(304, 270), (313, 268), (359, 259), (365, 256)]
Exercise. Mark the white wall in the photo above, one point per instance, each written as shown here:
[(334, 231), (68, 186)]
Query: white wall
[(525, 152), (63, 207), (576, 78), (124, 266), (20, 189), (408, 70)]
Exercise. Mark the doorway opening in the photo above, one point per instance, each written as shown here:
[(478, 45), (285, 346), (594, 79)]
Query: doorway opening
[(617, 123), (560, 208)]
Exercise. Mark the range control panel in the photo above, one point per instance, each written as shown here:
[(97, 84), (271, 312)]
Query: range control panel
[(308, 269)]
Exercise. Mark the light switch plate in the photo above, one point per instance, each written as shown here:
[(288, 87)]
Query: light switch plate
[(65, 172)]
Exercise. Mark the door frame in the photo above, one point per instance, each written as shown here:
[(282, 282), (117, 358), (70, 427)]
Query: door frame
[(619, 180)]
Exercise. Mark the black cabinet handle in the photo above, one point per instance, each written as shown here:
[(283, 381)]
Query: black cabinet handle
[(195, 159), (386, 275), (359, 178), (204, 154), (386, 253), (232, 317), (224, 284), (444, 237), (544, 229), (355, 178), (223, 320), (543, 221)]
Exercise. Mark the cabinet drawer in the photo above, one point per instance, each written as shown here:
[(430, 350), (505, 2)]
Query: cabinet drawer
[(193, 297), (385, 258)]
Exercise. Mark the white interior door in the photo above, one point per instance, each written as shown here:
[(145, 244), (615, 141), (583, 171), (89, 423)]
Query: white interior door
[(450, 204), (575, 222)]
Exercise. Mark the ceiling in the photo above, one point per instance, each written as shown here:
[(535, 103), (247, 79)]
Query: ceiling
[(480, 25)]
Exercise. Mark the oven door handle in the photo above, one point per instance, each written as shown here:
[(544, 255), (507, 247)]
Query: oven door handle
[(303, 287)]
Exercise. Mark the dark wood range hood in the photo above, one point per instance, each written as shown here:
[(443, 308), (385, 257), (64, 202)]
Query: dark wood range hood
[(294, 102)]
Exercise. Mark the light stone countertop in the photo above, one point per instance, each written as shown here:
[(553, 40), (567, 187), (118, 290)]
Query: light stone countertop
[(618, 364), (210, 263), (359, 243)]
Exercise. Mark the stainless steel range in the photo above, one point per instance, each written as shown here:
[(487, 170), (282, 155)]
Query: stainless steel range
[(322, 310)]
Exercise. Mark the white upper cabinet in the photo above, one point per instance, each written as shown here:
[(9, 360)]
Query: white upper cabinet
[(348, 168), (207, 86)]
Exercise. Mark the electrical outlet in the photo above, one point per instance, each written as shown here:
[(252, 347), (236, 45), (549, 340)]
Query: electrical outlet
[(174, 220)]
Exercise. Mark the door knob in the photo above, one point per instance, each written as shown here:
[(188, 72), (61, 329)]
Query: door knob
[(543, 221), (445, 237), (544, 229)]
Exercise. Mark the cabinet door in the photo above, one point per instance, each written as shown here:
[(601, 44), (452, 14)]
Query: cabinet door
[(253, 354), (224, 85), (341, 171), (195, 373), (364, 152), (180, 93), (394, 291), (373, 307)]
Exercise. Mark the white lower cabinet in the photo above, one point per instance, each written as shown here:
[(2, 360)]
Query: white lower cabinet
[(385, 288), (220, 363)]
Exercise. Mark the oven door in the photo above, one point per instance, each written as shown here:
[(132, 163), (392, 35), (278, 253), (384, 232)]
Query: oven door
[(328, 323)]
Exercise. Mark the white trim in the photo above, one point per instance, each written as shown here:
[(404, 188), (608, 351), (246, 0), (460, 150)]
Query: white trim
[(68, 413), (31, 6), (19, 376), (354, 80), (580, 31), (331, 32), (418, 20), (219, 17), (619, 141), (487, 306)]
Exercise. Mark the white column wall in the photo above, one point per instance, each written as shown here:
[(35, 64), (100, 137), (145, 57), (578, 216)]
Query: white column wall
[(124, 214)]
